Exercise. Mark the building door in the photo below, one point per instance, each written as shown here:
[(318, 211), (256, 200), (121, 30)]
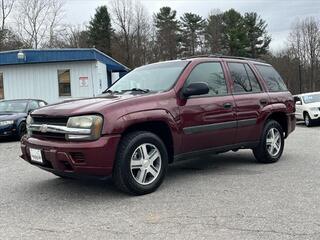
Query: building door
[(1, 86)]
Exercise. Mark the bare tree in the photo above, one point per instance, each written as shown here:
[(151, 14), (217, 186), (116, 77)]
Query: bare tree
[(124, 20), (141, 36), (56, 29), (304, 42), (38, 21), (76, 37), (6, 7)]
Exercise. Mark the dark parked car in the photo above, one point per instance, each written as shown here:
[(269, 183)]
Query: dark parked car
[(160, 113), (13, 115)]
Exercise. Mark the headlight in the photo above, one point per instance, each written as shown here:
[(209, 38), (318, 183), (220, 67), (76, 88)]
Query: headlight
[(29, 120), (92, 122), (6, 123)]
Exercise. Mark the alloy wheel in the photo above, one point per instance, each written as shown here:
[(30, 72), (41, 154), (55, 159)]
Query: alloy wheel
[(145, 163), (307, 120), (273, 142)]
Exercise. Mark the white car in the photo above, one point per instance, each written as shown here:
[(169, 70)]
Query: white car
[(308, 107)]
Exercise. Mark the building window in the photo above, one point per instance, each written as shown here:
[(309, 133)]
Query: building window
[(1, 86), (64, 82)]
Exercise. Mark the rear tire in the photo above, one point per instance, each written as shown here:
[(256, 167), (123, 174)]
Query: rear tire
[(141, 163), (307, 120), (271, 145)]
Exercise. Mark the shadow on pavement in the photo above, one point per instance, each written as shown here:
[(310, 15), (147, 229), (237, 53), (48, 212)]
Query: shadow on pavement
[(242, 163), (8, 139)]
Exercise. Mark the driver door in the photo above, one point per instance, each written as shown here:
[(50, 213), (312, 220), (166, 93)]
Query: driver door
[(208, 121)]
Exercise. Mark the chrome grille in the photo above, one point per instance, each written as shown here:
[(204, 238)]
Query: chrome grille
[(60, 121), (55, 121)]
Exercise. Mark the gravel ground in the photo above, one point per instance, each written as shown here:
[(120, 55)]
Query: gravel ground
[(228, 196)]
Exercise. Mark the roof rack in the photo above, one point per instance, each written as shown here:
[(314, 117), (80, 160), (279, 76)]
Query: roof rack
[(224, 56)]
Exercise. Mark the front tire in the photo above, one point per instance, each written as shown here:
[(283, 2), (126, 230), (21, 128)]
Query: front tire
[(22, 130), (141, 163), (307, 120), (271, 145)]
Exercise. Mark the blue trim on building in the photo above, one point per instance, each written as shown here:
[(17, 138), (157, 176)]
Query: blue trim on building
[(61, 55)]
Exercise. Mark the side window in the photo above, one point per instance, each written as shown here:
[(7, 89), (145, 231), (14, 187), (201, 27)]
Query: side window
[(253, 80), (212, 74), (33, 105), (42, 104), (64, 82), (1, 86), (243, 78), (272, 78)]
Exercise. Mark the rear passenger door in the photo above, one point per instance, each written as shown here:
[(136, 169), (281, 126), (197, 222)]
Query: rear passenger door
[(250, 101), (208, 121)]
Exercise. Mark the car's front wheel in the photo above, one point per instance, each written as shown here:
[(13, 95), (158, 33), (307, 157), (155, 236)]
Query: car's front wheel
[(141, 163), (271, 145), (22, 130), (307, 120)]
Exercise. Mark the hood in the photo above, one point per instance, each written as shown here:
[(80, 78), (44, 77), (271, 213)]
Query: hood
[(311, 105), (81, 106), (11, 116)]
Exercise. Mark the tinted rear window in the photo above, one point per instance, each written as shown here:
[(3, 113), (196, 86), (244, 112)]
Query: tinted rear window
[(272, 78)]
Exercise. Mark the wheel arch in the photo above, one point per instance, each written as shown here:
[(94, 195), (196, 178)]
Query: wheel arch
[(160, 127), (281, 118), (305, 112)]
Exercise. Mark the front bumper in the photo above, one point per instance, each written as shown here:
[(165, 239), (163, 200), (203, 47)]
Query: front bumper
[(94, 158), (9, 130), (314, 115)]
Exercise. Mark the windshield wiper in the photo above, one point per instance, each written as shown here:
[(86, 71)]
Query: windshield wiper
[(136, 90), (110, 91)]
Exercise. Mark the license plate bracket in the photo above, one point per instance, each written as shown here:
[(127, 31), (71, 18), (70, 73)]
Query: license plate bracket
[(36, 155)]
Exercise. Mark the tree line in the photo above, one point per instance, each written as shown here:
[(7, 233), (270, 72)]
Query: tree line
[(125, 31)]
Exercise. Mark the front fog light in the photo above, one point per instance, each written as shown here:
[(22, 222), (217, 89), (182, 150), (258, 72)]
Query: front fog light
[(92, 122)]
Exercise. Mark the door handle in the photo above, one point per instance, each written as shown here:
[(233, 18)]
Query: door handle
[(227, 105), (263, 101)]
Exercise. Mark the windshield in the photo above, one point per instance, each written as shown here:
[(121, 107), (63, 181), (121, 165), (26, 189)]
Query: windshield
[(16, 106), (311, 98), (156, 77)]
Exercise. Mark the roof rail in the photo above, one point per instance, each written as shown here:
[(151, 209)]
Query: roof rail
[(224, 56)]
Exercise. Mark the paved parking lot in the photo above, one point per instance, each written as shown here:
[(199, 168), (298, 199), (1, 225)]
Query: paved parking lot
[(228, 196)]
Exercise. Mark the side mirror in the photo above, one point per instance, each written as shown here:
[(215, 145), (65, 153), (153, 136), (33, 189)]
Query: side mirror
[(30, 110), (198, 88), (298, 103)]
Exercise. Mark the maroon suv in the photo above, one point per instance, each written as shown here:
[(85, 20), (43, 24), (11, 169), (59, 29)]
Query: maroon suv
[(162, 112)]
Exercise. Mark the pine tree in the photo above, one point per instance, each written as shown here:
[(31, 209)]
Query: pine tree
[(235, 39), (100, 30), (258, 38), (167, 38), (213, 32), (192, 29)]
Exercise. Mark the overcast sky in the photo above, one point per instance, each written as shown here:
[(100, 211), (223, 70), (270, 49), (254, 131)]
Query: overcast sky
[(279, 14)]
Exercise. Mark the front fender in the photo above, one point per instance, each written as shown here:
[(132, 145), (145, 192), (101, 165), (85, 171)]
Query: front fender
[(154, 115), (20, 120)]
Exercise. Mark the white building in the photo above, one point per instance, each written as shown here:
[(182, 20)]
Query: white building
[(57, 74)]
